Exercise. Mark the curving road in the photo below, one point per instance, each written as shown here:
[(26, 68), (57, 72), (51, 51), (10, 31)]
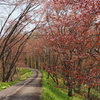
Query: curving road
[(29, 89)]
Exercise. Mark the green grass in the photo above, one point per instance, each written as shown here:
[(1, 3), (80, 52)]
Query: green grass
[(93, 92), (21, 75), (50, 92)]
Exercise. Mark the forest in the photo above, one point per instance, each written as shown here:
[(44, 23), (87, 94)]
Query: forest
[(61, 37)]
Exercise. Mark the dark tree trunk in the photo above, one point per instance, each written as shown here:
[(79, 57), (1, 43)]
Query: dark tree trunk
[(37, 63), (88, 95), (70, 90)]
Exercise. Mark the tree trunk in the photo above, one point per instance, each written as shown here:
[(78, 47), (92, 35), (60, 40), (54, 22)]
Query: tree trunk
[(70, 91), (88, 95), (3, 74), (37, 63), (3, 70)]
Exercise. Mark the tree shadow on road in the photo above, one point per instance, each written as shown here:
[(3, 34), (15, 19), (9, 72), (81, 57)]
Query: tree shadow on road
[(35, 96)]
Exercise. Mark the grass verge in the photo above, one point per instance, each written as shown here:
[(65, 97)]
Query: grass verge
[(50, 92), (22, 74)]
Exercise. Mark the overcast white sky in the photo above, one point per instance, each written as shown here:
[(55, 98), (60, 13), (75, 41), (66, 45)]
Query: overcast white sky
[(6, 9)]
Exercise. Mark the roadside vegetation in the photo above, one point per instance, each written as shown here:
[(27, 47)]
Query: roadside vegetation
[(53, 92), (21, 74)]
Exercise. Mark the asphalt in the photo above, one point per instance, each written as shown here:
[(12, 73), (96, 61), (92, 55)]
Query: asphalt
[(29, 89)]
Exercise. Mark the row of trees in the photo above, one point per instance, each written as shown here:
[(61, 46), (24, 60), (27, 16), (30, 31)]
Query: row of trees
[(18, 20), (68, 43), (74, 37)]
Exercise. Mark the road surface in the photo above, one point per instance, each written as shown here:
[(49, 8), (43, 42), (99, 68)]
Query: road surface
[(29, 89)]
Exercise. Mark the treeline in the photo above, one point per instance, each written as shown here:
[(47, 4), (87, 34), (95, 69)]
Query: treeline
[(14, 33), (67, 45)]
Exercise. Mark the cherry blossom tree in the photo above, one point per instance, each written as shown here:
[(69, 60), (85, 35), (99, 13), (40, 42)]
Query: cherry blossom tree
[(73, 31)]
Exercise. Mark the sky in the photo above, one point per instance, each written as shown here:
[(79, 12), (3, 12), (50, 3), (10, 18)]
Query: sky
[(5, 10)]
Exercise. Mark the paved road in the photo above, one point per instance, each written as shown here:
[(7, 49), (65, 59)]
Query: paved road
[(30, 89)]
